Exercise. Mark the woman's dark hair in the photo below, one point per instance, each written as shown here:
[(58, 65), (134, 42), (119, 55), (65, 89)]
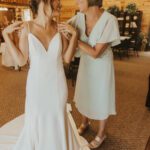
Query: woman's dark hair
[(95, 3), (34, 4)]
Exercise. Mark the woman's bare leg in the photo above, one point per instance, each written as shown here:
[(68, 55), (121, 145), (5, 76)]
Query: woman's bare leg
[(102, 128), (101, 135), (85, 120), (84, 125)]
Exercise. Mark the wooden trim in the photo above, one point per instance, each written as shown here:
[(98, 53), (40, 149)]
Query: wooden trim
[(13, 4)]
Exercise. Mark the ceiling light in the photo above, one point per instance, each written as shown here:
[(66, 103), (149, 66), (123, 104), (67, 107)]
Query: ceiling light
[(3, 9)]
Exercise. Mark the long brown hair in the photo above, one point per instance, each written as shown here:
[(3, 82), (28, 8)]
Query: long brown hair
[(34, 4), (95, 3)]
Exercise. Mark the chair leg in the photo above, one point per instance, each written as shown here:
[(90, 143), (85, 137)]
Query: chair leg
[(128, 54), (137, 53), (120, 56), (19, 68)]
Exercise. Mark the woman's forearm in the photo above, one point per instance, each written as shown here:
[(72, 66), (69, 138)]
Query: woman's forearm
[(86, 48), (71, 48), (95, 52), (15, 52)]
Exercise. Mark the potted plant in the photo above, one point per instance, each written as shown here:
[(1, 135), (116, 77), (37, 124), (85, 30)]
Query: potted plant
[(131, 8), (114, 10)]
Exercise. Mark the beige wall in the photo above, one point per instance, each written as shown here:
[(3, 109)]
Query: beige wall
[(69, 7)]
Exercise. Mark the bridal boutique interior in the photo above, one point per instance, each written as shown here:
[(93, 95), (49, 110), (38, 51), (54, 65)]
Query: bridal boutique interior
[(130, 128)]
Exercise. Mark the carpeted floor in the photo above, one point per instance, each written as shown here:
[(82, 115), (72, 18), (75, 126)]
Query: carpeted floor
[(129, 130)]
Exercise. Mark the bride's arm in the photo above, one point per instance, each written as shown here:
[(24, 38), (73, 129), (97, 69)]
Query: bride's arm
[(69, 46), (20, 53)]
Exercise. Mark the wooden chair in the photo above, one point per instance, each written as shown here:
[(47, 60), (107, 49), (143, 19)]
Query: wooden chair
[(73, 70), (122, 50)]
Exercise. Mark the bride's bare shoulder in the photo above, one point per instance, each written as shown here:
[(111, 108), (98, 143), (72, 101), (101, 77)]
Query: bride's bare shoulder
[(26, 27)]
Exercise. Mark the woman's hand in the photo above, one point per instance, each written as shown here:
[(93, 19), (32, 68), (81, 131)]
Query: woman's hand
[(20, 50), (67, 30), (13, 27), (69, 33)]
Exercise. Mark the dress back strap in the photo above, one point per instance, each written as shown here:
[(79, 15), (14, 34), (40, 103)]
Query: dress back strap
[(28, 23)]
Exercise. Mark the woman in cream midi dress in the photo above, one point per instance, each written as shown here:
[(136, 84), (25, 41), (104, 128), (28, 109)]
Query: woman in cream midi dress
[(95, 87)]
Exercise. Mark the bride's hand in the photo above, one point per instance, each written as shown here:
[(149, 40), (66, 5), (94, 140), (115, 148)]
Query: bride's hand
[(66, 28), (13, 27)]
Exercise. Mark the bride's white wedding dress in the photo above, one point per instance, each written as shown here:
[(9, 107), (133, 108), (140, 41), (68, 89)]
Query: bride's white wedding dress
[(45, 126)]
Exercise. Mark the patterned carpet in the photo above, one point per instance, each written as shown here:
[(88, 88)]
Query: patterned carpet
[(129, 130)]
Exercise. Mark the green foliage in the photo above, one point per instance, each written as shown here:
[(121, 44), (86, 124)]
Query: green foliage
[(113, 9), (131, 8)]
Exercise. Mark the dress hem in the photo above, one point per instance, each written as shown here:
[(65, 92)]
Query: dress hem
[(91, 117)]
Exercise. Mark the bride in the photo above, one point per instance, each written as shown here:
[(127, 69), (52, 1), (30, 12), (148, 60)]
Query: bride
[(46, 89)]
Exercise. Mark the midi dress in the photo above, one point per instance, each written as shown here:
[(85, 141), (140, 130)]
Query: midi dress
[(95, 86)]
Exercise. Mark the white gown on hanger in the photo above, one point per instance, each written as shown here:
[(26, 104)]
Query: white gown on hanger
[(45, 126)]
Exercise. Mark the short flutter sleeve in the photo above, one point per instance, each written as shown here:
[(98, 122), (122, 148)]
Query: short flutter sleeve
[(76, 21), (73, 21), (110, 32)]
